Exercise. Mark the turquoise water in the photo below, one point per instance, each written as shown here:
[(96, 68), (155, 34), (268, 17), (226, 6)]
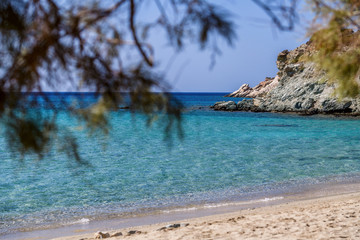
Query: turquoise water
[(224, 156)]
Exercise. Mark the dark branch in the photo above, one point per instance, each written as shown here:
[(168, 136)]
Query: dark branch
[(133, 32), (288, 12)]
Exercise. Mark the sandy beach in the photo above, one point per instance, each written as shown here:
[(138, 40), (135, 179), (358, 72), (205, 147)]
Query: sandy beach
[(334, 217)]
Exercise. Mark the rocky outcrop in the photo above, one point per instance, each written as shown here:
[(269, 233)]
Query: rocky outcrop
[(242, 92), (226, 106), (245, 91), (299, 87)]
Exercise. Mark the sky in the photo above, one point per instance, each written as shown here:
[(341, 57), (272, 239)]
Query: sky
[(250, 60)]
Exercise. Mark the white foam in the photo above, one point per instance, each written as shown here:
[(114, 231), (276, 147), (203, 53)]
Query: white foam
[(82, 221), (271, 199), (181, 210), (206, 206), (243, 203)]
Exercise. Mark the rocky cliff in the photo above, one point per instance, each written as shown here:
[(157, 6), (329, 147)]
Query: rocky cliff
[(298, 87)]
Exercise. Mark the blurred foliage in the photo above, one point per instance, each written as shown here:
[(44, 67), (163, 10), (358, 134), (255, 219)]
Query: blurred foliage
[(85, 45), (283, 13), (336, 40), (47, 44)]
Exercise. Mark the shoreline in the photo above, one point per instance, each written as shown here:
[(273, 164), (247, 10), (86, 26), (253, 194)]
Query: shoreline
[(330, 217), (192, 214), (226, 106)]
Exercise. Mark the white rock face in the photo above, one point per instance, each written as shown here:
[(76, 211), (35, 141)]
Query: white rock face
[(245, 91), (260, 90)]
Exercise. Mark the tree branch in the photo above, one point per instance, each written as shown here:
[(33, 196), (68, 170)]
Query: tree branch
[(133, 32), (269, 11)]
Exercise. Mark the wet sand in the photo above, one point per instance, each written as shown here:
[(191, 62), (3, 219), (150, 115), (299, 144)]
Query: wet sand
[(331, 217)]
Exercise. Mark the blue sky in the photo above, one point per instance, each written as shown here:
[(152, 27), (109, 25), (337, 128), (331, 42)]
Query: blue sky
[(250, 60)]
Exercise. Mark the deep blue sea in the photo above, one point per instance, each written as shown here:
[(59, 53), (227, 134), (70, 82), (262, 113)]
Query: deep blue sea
[(224, 156)]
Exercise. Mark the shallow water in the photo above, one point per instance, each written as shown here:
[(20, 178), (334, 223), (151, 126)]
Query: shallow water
[(224, 156)]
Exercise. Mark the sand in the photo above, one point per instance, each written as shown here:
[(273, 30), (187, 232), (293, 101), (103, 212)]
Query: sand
[(335, 217)]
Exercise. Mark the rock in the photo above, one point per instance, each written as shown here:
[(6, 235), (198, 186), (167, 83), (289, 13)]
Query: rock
[(308, 104), (101, 235), (298, 87), (264, 87), (245, 91), (245, 105), (292, 69), (281, 59), (227, 106), (173, 226), (117, 234), (298, 105), (132, 232), (232, 107), (333, 106)]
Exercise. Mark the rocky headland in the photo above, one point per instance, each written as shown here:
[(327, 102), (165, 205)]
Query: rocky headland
[(299, 87)]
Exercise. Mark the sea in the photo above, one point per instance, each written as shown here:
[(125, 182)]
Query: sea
[(137, 169)]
